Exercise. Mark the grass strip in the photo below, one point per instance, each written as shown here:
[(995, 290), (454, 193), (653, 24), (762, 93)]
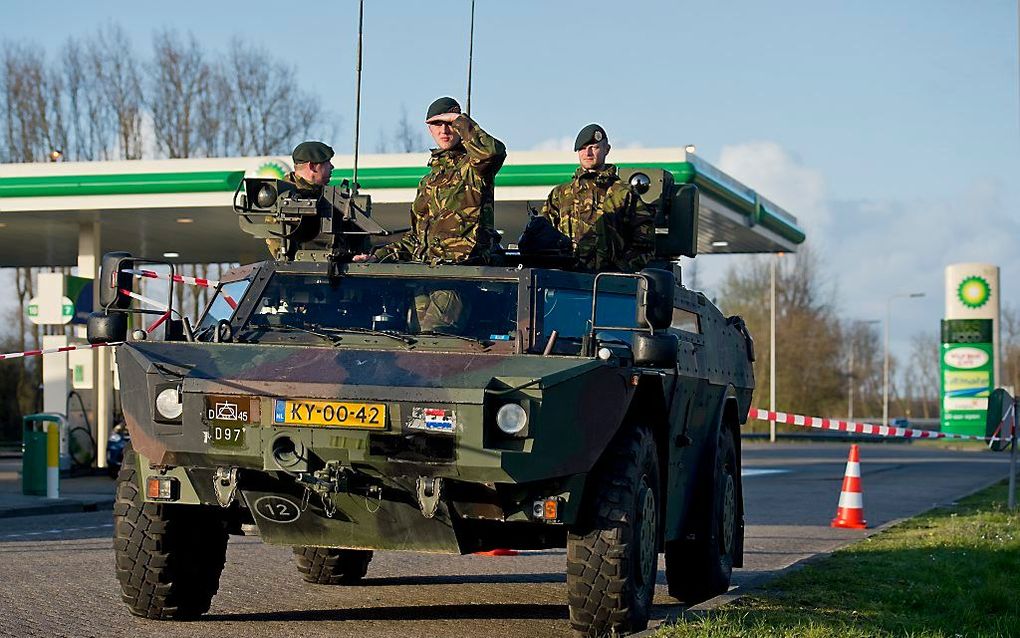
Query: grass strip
[(951, 572)]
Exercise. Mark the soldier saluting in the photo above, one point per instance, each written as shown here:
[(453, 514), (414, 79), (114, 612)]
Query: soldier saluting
[(452, 215), (608, 225)]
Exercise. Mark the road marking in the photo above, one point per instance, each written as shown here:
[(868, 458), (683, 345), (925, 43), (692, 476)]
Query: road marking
[(57, 531), (756, 471)]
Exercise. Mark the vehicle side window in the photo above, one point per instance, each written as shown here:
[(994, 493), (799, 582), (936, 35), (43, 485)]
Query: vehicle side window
[(686, 320)]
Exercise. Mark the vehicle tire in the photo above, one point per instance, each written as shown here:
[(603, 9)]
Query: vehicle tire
[(699, 569), (169, 557), (329, 566), (612, 558)]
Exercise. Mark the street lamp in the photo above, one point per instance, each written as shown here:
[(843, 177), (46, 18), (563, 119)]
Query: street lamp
[(850, 367), (772, 344), (885, 364)]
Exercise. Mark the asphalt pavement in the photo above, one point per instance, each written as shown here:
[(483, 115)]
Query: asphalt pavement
[(57, 577)]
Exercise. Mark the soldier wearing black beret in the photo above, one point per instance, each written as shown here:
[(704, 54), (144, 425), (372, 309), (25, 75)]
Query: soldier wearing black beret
[(608, 225)]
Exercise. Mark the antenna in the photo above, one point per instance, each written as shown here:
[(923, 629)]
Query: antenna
[(357, 94), (471, 55)]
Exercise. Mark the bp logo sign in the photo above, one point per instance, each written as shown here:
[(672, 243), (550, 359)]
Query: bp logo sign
[(273, 169), (974, 292)]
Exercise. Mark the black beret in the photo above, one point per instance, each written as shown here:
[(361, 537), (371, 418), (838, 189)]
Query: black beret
[(589, 135), (442, 105), (312, 152)]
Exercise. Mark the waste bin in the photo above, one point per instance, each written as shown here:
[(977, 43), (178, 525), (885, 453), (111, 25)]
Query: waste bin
[(40, 459)]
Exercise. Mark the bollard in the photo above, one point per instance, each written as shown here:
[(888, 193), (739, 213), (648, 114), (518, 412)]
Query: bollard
[(52, 459)]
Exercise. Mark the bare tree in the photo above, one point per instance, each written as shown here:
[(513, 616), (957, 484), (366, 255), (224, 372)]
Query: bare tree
[(90, 119), (809, 338), (177, 92), (266, 110), (30, 96), (408, 138), (118, 80), (922, 372)]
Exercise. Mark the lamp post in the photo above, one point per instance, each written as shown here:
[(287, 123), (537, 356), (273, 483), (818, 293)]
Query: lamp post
[(772, 345), (850, 369), (885, 364)]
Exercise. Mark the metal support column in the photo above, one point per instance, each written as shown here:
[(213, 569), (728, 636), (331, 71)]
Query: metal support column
[(89, 256)]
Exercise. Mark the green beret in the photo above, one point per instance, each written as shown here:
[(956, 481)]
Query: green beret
[(312, 152), (442, 105), (589, 135)]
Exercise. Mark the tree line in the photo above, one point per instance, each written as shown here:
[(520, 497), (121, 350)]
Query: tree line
[(821, 355), (95, 100)]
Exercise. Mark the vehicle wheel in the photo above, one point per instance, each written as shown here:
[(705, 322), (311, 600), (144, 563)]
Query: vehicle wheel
[(612, 561), (700, 569), (328, 566), (169, 557)]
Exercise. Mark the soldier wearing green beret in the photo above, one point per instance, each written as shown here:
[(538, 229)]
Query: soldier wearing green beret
[(607, 223), (452, 215)]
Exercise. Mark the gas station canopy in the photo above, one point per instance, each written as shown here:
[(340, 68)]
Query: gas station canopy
[(180, 209)]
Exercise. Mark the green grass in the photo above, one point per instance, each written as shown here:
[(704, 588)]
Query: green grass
[(954, 571)]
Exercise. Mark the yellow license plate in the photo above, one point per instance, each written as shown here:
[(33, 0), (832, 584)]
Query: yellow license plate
[(344, 414)]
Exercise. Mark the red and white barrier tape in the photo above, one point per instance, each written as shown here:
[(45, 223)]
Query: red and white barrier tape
[(36, 353), (181, 279), (855, 427)]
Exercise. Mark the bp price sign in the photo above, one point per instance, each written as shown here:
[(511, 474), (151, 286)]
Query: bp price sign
[(968, 369)]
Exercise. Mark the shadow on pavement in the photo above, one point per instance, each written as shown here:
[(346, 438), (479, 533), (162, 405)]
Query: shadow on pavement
[(460, 579), (511, 611)]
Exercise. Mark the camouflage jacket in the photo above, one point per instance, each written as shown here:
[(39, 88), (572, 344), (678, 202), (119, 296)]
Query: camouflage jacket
[(452, 215), (609, 226)]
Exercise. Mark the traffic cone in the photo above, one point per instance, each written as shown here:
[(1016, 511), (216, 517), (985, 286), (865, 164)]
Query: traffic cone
[(850, 512), (498, 552)]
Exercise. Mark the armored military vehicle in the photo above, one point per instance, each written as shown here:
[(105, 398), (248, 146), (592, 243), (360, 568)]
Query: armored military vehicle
[(317, 404)]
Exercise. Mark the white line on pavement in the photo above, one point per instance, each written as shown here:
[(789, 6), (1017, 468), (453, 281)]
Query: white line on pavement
[(57, 531)]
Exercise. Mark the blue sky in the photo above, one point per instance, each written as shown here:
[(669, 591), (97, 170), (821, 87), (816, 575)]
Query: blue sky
[(891, 129)]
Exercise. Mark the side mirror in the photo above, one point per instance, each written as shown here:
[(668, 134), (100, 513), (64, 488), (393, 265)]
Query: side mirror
[(106, 328), (655, 298), (113, 280)]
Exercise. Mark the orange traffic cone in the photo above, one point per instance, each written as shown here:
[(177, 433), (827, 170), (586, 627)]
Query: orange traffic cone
[(498, 552), (850, 512)]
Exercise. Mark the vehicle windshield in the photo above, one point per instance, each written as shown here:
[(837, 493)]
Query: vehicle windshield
[(223, 303), (568, 312), (483, 310)]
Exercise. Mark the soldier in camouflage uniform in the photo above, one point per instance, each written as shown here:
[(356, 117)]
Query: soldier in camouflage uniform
[(607, 223), (312, 170), (452, 215)]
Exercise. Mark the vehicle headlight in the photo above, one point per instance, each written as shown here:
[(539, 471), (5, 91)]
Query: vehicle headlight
[(168, 404), (511, 418)]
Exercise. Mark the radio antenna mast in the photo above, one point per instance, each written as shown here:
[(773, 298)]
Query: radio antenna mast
[(357, 94), (471, 52)]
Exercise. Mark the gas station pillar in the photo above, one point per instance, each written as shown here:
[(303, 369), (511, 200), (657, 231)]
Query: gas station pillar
[(89, 259)]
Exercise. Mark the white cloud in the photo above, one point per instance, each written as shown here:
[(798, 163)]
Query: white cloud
[(772, 171), (871, 249)]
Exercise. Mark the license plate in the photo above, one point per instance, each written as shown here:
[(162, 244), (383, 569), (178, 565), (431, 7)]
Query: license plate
[(330, 413), (225, 436)]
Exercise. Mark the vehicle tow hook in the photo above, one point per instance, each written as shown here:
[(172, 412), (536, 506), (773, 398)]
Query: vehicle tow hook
[(429, 492), (225, 485)]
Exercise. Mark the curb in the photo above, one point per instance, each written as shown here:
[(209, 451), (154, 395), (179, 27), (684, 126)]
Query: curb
[(754, 584), (62, 506)]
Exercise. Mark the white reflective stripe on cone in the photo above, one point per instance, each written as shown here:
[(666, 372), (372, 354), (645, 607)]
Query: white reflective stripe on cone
[(852, 500), (853, 468)]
